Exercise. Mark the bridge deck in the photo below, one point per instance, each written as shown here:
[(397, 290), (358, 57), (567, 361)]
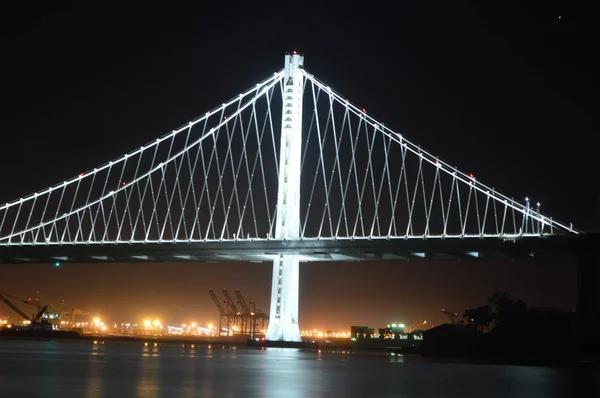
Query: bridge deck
[(308, 250)]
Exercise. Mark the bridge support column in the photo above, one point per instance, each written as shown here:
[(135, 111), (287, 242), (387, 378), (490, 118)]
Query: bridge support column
[(283, 322)]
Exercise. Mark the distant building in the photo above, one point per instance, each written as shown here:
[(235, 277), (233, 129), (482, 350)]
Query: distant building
[(361, 332), (392, 331)]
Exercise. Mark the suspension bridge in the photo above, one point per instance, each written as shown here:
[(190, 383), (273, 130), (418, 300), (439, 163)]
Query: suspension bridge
[(288, 171)]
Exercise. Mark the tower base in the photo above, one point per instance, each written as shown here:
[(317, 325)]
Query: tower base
[(283, 320)]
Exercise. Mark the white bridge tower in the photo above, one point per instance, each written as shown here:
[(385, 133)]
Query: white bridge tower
[(283, 322)]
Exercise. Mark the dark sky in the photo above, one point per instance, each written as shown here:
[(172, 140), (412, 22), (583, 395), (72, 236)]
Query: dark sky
[(506, 90)]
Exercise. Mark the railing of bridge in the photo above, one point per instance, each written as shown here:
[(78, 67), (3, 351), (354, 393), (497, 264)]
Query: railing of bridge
[(215, 179)]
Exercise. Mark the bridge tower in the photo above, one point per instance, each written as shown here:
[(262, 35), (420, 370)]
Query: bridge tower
[(283, 322)]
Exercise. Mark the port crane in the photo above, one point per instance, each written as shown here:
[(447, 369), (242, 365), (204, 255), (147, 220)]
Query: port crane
[(415, 327), (72, 313), (454, 320), (241, 301), (56, 313), (35, 320), (231, 302), (241, 318), (224, 316), (253, 321)]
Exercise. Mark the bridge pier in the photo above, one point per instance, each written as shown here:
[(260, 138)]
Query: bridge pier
[(283, 325), (283, 322)]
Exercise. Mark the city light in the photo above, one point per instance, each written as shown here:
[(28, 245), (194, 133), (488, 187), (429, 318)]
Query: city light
[(155, 327), (328, 334)]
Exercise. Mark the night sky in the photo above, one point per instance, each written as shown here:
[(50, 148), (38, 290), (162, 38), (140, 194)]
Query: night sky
[(507, 91)]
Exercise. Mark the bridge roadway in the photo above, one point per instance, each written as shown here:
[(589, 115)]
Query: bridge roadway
[(309, 250)]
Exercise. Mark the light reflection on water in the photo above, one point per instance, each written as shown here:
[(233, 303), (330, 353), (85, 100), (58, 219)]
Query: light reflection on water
[(94, 374), (105, 369), (148, 374)]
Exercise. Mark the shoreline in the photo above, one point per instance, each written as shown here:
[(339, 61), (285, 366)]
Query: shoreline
[(372, 349)]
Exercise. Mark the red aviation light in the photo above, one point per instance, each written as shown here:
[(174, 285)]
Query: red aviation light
[(124, 183), (471, 175)]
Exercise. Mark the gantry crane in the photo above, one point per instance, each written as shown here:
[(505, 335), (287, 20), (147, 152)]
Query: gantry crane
[(239, 318), (237, 324), (246, 321), (252, 321), (260, 318), (231, 302), (72, 313), (241, 301), (225, 317)]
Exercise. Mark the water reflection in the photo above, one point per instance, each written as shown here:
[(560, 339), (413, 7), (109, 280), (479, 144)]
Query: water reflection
[(50, 385), (94, 374), (290, 373), (149, 372), (396, 358), (150, 349), (188, 351), (540, 382), (176, 370)]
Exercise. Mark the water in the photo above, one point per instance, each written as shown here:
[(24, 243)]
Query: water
[(97, 369)]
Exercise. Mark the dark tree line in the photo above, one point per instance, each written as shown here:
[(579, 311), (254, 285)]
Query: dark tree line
[(500, 310)]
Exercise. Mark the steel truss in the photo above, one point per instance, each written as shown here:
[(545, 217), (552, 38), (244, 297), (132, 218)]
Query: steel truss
[(215, 180)]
